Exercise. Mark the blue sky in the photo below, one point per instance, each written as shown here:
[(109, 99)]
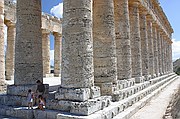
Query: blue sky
[(170, 7)]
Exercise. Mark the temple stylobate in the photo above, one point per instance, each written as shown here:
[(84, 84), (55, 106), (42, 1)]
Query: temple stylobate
[(114, 57)]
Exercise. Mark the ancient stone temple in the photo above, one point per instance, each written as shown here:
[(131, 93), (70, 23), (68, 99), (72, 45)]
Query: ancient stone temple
[(114, 57)]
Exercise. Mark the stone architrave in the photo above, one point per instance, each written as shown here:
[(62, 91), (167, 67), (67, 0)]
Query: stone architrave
[(144, 45), (77, 46), (10, 51), (150, 47), (2, 55), (104, 46), (123, 46), (28, 45), (156, 66), (135, 42), (159, 37), (57, 53), (46, 52)]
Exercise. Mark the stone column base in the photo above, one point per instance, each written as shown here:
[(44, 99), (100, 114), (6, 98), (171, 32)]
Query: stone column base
[(22, 90), (48, 75), (106, 88), (139, 79), (82, 101), (57, 75)]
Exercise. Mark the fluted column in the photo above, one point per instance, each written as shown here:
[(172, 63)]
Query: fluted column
[(11, 34), (123, 46), (171, 60), (156, 66), (150, 47), (164, 53), (46, 52), (2, 55), (57, 53), (105, 62), (77, 48), (28, 45), (144, 45), (159, 38), (163, 60), (135, 42), (166, 56)]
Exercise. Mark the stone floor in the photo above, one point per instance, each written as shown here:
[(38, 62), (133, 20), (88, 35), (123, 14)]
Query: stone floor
[(156, 108)]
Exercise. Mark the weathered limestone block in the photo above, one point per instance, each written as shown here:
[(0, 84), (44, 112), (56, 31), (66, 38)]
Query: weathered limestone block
[(59, 105), (28, 58), (90, 106), (57, 53), (144, 44), (135, 42), (123, 47), (81, 94), (22, 90), (106, 88), (46, 51), (2, 55), (10, 51), (77, 94), (104, 46)]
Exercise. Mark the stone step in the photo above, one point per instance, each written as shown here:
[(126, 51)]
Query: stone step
[(126, 114), (124, 108), (128, 91), (7, 117)]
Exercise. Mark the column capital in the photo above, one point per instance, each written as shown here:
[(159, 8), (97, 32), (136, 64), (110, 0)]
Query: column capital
[(57, 34), (46, 31), (10, 23), (134, 3)]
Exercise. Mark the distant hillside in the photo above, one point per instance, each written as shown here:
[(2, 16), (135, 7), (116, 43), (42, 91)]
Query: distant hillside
[(176, 66)]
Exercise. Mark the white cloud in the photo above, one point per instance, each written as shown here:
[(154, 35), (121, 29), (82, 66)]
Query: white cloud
[(176, 49), (52, 57), (57, 10)]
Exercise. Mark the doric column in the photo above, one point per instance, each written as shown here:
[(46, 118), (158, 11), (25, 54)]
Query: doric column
[(123, 47), (11, 34), (77, 48), (168, 53), (156, 66), (159, 38), (162, 55), (105, 62), (166, 56), (150, 47), (144, 45), (171, 60), (2, 55), (28, 45), (57, 53), (46, 52), (135, 42)]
